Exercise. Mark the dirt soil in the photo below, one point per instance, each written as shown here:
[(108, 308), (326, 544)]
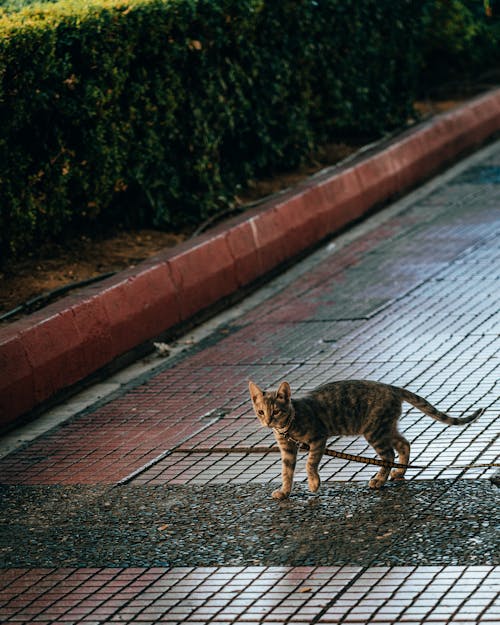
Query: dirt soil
[(84, 258)]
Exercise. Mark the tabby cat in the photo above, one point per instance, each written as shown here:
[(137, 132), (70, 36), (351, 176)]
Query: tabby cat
[(349, 407)]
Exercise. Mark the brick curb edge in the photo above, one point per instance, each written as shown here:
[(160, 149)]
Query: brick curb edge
[(71, 339)]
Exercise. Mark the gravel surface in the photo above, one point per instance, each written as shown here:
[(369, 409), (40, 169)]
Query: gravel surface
[(426, 523)]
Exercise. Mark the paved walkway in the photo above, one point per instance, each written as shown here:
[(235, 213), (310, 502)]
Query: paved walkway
[(103, 521)]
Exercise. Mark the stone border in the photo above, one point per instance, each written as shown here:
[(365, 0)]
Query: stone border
[(68, 341)]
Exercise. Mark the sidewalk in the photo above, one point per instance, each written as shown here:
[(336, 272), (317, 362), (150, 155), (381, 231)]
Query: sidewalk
[(103, 325), (103, 522)]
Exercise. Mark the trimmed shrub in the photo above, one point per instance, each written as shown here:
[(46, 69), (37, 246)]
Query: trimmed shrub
[(154, 111)]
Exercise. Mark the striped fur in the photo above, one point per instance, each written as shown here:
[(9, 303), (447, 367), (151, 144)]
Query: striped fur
[(349, 407)]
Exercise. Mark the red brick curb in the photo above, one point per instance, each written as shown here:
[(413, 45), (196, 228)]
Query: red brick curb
[(76, 336)]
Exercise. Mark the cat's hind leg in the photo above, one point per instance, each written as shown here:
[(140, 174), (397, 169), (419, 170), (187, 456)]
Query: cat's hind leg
[(316, 451), (386, 452), (402, 446)]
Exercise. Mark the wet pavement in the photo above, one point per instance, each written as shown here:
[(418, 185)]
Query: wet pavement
[(429, 523), (104, 520)]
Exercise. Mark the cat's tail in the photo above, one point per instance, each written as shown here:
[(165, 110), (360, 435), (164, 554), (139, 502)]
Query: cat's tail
[(427, 408)]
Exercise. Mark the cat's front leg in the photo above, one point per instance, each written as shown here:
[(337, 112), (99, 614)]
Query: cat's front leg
[(288, 461), (316, 451)]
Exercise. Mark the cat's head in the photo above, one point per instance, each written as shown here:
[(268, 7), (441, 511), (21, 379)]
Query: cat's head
[(273, 407)]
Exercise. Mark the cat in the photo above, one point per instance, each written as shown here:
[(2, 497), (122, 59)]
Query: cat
[(349, 407)]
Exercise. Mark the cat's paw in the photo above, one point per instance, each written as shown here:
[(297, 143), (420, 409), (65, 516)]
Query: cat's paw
[(397, 476), (279, 494), (314, 483), (376, 483)]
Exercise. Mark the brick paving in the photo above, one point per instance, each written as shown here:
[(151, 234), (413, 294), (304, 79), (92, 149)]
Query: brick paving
[(414, 302), (347, 594)]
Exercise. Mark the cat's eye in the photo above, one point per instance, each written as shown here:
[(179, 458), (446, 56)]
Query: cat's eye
[(276, 411), (261, 412)]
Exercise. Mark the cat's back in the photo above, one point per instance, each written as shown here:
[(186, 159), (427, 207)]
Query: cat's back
[(349, 390), (345, 405)]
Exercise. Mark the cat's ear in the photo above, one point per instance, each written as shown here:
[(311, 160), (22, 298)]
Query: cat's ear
[(255, 391), (285, 391)]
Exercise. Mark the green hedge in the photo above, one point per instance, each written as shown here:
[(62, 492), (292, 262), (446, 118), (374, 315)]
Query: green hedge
[(460, 45), (154, 111)]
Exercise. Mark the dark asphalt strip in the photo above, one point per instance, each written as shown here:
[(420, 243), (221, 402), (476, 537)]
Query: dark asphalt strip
[(438, 522)]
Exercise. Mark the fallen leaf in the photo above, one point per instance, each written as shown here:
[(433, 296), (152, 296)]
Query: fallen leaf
[(162, 349), (305, 589), (386, 535), (162, 527)]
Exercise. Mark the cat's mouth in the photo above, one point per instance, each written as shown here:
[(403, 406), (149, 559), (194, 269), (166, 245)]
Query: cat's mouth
[(277, 423)]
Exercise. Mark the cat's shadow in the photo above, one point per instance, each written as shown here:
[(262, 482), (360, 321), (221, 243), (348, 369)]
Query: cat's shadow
[(300, 496), (341, 523)]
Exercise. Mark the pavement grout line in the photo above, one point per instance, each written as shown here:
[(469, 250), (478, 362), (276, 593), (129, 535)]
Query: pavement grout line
[(318, 617), (166, 453)]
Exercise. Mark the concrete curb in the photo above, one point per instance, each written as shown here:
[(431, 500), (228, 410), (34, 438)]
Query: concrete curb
[(73, 338)]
